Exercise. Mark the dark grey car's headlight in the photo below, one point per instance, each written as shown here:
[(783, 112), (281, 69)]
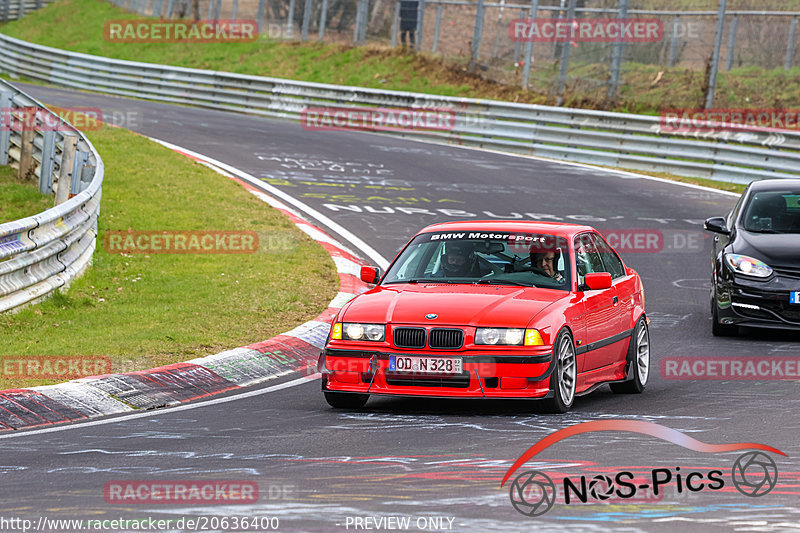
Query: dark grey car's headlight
[(749, 266)]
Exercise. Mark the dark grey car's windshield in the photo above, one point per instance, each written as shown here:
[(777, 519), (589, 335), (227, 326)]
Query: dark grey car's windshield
[(773, 212), (485, 257)]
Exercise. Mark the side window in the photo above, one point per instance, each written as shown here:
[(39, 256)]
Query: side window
[(587, 258), (611, 260)]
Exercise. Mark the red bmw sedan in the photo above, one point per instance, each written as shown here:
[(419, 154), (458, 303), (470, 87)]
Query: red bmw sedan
[(492, 309)]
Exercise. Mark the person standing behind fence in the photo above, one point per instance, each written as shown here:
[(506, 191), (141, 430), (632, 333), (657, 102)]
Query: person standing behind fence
[(408, 21)]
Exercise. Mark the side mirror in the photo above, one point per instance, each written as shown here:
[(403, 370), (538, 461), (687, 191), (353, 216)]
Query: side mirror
[(370, 274), (597, 281), (717, 225)]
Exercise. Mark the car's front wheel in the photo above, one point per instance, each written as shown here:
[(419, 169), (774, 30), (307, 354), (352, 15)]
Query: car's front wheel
[(341, 400), (638, 361), (565, 375)]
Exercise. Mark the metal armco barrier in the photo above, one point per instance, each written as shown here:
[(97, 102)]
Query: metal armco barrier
[(597, 137), (16, 9), (44, 252)]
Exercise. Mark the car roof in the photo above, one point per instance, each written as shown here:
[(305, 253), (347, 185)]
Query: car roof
[(774, 185), (563, 229)]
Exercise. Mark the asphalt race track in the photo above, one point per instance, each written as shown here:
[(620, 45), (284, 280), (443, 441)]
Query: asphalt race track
[(437, 462)]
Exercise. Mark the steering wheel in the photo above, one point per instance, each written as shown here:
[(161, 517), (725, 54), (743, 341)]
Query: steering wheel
[(535, 270)]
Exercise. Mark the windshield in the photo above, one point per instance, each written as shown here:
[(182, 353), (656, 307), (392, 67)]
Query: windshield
[(502, 258), (773, 212)]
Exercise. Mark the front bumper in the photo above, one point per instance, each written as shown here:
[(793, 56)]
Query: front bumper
[(484, 376), (761, 304)]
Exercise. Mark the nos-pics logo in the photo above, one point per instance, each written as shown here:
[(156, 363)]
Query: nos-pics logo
[(533, 493)]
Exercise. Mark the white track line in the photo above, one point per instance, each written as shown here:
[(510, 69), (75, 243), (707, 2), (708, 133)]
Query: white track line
[(167, 411), (368, 250)]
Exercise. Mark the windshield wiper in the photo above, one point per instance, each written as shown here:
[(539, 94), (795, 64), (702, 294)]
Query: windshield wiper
[(501, 282), (423, 280)]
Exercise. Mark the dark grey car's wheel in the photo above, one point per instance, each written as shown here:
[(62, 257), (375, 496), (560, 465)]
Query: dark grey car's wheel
[(638, 361), (342, 400), (565, 375)]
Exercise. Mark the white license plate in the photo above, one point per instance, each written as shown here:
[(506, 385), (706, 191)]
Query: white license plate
[(794, 297), (424, 365)]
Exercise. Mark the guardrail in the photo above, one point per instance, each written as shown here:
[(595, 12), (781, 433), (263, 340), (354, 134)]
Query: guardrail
[(620, 140), (41, 253), (16, 9)]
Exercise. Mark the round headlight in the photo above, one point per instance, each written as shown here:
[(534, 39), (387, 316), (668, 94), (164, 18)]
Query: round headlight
[(491, 336), (514, 336), (354, 331), (374, 332)]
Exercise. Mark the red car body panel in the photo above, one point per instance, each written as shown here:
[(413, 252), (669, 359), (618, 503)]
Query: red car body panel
[(600, 327)]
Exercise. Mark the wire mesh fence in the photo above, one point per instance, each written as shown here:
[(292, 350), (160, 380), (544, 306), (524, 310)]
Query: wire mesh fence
[(555, 47)]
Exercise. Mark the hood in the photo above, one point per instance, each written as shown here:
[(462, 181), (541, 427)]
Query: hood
[(776, 250), (455, 305)]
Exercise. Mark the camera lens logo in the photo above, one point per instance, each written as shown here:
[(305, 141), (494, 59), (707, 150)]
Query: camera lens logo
[(532, 493), (754, 474), (601, 487)]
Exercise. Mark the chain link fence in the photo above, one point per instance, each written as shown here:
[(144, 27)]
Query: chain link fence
[(703, 36)]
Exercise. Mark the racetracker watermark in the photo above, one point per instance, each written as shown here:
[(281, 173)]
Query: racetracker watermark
[(630, 30), (64, 119), (180, 31), (193, 523), (730, 368), (184, 491), (655, 241), (361, 370), (29, 118), (53, 367), (377, 119), (712, 121), (181, 242)]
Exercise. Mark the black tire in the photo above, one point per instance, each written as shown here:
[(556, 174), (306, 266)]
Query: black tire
[(718, 329), (564, 354), (345, 400), (638, 361)]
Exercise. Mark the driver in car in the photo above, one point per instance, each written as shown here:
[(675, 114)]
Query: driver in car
[(459, 260)]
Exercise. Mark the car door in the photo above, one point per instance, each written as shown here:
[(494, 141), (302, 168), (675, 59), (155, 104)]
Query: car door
[(627, 289), (601, 310)]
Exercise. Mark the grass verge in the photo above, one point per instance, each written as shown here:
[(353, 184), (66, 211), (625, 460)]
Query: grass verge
[(20, 199), (147, 310)]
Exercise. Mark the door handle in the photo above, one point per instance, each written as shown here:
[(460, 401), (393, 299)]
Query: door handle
[(615, 300)]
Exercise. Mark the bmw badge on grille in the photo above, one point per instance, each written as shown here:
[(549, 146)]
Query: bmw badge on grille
[(431, 316)]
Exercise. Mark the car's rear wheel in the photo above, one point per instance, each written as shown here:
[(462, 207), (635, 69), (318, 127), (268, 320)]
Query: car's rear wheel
[(717, 328), (638, 361), (341, 400), (565, 374)]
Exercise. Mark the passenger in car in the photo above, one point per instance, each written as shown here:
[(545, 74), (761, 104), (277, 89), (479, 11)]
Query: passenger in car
[(546, 262)]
